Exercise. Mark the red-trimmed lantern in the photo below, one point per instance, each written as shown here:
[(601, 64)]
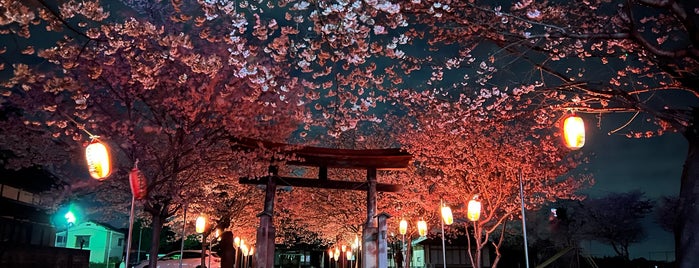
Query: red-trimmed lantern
[(138, 183), (403, 227), (98, 161), (474, 209), (422, 228), (574, 132)]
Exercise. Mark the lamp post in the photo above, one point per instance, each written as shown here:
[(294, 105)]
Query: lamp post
[(337, 257), (524, 221), (447, 218), (236, 245), (348, 256), (244, 253), (70, 220), (216, 234), (343, 255), (200, 227), (355, 246), (403, 229)]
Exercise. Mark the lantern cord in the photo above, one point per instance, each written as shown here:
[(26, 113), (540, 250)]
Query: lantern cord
[(135, 164), (624, 125), (80, 126)]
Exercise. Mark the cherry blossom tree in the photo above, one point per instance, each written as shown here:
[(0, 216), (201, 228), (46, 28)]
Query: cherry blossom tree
[(166, 99), (636, 58), (172, 84)]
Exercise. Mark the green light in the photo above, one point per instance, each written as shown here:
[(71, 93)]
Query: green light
[(70, 217)]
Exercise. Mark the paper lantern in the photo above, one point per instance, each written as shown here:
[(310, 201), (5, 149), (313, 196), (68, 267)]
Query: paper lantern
[(138, 183), (403, 227), (200, 224), (447, 216), (574, 132), (98, 160), (422, 228), (474, 210), (331, 253)]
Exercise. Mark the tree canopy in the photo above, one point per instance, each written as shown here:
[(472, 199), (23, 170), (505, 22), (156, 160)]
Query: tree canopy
[(474, 90)]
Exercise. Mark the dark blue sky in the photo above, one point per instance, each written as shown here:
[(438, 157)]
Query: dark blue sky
[(621, 164)]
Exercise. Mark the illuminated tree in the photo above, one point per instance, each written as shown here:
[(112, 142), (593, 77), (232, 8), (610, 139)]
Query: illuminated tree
[(171, 83)]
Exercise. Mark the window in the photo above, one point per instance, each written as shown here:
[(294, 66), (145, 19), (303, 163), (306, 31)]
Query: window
[(60, 239), (82, 241), (120, 242)]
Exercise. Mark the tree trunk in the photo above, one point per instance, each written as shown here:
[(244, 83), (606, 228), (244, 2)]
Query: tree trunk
[(157, 226), (687, 228), (479, 246)]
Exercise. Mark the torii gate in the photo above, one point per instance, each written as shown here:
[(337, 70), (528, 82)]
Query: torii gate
[(374, 246)]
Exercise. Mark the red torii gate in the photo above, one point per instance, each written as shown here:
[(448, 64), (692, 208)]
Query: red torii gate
[(370, 159)]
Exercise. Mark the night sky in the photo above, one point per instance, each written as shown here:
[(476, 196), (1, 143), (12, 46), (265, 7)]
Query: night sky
[(621, 164)]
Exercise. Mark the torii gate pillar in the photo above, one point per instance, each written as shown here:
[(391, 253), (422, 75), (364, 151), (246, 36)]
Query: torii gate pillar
[(266, 231), (370, 249)]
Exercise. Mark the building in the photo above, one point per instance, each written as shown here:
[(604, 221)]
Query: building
[(22, 220), (105, 243), (26, 233)]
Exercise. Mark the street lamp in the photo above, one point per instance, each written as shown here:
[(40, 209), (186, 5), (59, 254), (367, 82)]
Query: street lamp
[(244, 253), (403, 229), (70, 220), (236, 245), (447, 218), (216, 234), (337, 257), (349, 257), (200, 226)]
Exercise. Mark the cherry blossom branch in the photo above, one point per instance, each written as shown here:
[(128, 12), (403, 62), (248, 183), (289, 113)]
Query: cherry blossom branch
[(59, 18), (636, 35)]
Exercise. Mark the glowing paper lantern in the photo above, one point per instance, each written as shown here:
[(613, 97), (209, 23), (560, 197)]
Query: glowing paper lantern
[(330, 253), (200, 224), (344, 248), (474, 210), (574, 132), (337, 254), (98, 161), (236, 241), (403, 227), (138, 183), (422, 228), (447, 216)]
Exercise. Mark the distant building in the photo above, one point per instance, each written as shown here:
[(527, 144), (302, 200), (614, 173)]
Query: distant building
[(22, 220), (26, 233), (101, 240)]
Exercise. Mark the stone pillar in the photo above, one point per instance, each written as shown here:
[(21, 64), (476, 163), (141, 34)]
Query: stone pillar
[(265, 233), (382, 242), (369, 234)]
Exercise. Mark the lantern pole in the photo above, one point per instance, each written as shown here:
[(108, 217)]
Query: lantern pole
[(184, 225), (524, 220), (128, 242), (444, 249)]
